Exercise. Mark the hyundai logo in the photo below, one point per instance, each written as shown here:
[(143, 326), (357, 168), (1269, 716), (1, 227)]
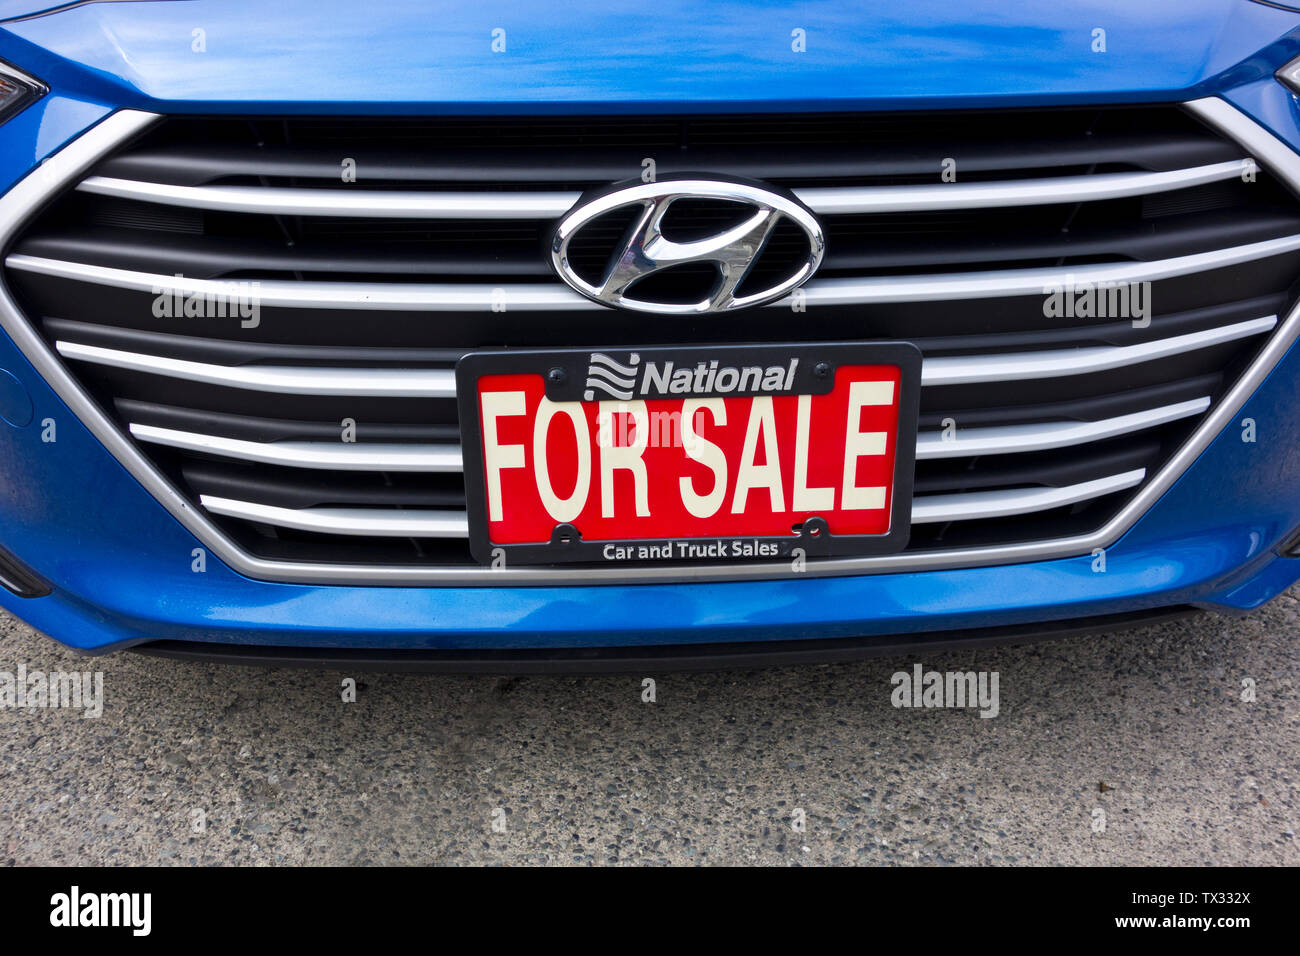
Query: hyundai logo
[(645, 251)]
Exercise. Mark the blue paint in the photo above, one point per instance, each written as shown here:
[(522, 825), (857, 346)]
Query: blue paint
[(15, 403), (412, 55)]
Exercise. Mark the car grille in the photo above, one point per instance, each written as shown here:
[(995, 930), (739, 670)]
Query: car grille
[(1032, 426)]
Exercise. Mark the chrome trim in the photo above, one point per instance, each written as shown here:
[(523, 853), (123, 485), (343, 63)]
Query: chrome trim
[(49, 10), (353, 296), (829, 201), (376, 456), (434, 523), (287, 380), (646, 250), (1055, 363), (379, 522), (334, 456), (1003, 502), (544, 297), (64, 167), (1010, 282), (397, 204), (441, 383), (1040, 436)]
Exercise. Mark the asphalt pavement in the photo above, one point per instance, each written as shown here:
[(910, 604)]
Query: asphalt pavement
[(1128, 748)]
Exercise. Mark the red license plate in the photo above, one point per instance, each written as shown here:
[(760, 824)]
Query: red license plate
[(691, 454)]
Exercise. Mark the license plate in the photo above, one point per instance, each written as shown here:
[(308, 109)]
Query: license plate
[(704, 454)]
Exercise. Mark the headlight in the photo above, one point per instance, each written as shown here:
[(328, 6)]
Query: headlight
[(17, 89), (1289, 76)]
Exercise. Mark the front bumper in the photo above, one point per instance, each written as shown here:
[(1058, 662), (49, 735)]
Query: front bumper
[(121, 568)]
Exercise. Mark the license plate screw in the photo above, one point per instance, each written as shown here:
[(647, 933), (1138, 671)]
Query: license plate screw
[(822, 369), (565, 534), (815, 527), (557, 376)]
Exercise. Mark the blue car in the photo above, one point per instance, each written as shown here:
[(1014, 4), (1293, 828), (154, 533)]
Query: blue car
[(477, 337)]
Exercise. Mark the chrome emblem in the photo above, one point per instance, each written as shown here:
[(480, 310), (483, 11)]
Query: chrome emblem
[(645, 251)]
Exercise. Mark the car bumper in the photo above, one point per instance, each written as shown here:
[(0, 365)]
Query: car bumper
[(120, 566)]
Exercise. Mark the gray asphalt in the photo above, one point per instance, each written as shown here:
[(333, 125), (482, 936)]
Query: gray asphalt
[(1146, 726)]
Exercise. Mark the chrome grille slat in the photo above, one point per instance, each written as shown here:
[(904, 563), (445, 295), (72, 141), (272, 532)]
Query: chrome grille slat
[(931, 509), (543, 297), (338, 202), (375, 456), (426, 523), (548, 205), (340, 456), (1095, 187), (289, 380), (416, 297), (455, 150), (431, 523), (1005, 283), (440, 383), (1019, 366), (1009, 439)]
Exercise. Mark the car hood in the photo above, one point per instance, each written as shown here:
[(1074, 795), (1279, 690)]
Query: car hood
[(255, 54)]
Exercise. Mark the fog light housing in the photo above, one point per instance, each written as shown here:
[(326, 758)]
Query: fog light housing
[(17, 90)]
